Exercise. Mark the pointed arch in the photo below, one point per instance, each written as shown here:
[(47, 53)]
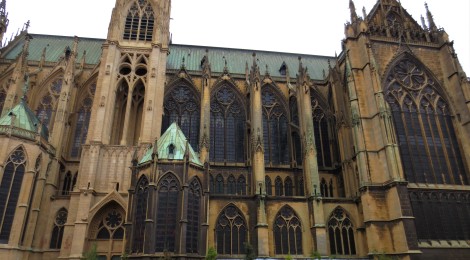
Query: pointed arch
[(219, 184), (67, 183), (269, 188), (182, 105), (288, 187), (323, 125), (278, 186), (139, 22), (231, 231), (58, 228), (140, 214), (228, 124), (167, 208), (48, 99), (231, 184), (82, 118), (137, 110), (241, 185), (108, 223), (10, 188), (422, 117), (194, 212), (341, 233), (287, 232), (275, 126)]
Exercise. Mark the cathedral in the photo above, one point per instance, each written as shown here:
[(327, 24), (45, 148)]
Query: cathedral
[(132, 147)]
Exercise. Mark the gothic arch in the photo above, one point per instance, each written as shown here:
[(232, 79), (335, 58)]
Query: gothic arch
[(112, 197), (47, 97), (135, 11), (324, 128), (58, 228), (231, 231), (194, 216), (341, 232), (287, 232), (423, 122), (168, 197)]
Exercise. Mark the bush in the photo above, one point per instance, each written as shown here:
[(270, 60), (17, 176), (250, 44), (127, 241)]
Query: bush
[(211, 254), (249, 252), (91, 254)]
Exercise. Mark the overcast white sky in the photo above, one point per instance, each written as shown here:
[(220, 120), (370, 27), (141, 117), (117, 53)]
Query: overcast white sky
[(301, 26)]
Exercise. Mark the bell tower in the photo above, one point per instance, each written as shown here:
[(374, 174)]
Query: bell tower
[(132, 74)]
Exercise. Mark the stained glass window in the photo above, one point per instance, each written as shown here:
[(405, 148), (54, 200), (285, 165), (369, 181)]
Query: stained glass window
[(287, 232), (321, 123), (58, 229), (278, 186), (140, 215), (82, 122), (48, 104), (182, 106), (227, 126), (167, 206), (275, 128), (231, 232), (10, 187), (423, 123), (139, 22), (341, 233), (192, 230)]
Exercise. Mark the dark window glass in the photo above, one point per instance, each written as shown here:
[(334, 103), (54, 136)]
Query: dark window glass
[(182, 106), (227, 126), (341, 233), (166, 214), (82, 122), (67, 185), (300, 186), (269, 188), (241, 185), (289, 187), (231, 232), (141, 197), (278, 186), (321, 124), (425, 133), (219, 184), (58, 229), (139, 22), (194, 204), (231, 185), (10, 190), (287, 233)]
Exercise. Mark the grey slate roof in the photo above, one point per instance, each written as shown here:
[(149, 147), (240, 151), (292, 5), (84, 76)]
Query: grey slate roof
[(236, 58)]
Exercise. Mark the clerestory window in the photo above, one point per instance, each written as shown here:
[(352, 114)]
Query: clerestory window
[(139, 22)]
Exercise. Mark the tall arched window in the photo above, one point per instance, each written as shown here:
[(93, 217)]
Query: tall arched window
[(275, 128), (167, 206), (47, 106), (321, 122), (269, 188), (278, 186), (287, 232), (82, 121), (58, 229), (67, 185), (219, 184), (227, 126), (10, 187), (231, 185), (140, 215), (341, 233), (139, 22), (323, 188), (231, 232), (182, 106), (288, 187), (300, 186), (241, 185), (194, 205), (428, 145)]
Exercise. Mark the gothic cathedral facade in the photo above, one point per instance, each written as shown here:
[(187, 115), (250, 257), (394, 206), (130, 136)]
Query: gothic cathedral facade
[(132, 147)]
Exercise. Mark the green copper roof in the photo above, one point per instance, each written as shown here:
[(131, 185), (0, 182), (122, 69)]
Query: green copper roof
[(24, 119), (236, 58), (55, 48), (172, 146)]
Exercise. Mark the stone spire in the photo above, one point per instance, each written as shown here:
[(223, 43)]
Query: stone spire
[(352, 9), (3, 20), (432, 24)]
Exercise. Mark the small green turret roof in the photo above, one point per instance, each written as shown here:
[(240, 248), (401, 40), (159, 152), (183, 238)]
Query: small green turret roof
[(24, 119), (172, 145)]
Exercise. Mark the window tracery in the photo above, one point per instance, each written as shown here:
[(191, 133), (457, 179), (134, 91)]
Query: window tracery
[(423, 123), (287, 232), (182, 106), (47, 106), (341, 233), (10, 187), (141, 198), (322, 133), (227, 126), (111, 224), (194, 205), (231, 232), (275, 129), (139, 22), (58, 229), (168, 192), (278, 186), (82, 121), (288, 187)]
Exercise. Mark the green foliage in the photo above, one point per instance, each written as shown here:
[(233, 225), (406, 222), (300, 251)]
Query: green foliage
[(91, 254), (315, 255), (125, 256), (249, 252), (288, 257), (211, 254), (383, 256)]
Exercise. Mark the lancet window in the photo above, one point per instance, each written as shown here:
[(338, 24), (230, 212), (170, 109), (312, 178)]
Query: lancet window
[(321, 126), (47, 106), (423, 123), (83, 116), (227, 126), (269, 188), (194, 205), (141, 198), (341, 233), (58, 229), (167, 206), (288, 187), (275, 128), (139, 22), (231, 232), (182, 106), (278, 186), (287, 232), (10, 187)]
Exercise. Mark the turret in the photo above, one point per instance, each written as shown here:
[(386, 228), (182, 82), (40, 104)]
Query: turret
[(3, 20)]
